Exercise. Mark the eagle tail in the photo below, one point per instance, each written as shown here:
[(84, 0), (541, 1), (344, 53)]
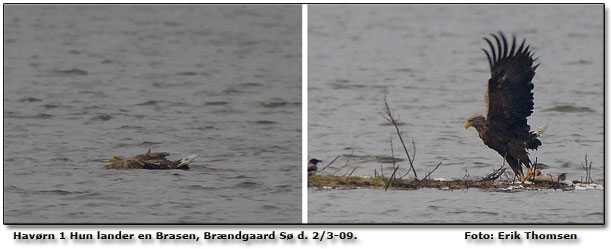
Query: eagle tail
[(540, 130), (534, 142), (187, 160)]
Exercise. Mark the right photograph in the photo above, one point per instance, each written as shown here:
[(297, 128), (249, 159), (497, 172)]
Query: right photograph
[(456, 114)]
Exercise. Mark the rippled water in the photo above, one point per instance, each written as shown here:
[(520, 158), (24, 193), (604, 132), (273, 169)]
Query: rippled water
[(83, 83), (428, 61), (459, 206)]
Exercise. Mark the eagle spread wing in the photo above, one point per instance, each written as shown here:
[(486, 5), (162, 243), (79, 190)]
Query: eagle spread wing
[(509, 95)]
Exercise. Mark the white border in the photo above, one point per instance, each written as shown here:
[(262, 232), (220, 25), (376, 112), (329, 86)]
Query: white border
[(304, 113), (369, 236)]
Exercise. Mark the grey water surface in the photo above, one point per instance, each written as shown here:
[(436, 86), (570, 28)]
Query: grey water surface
[(84, 83), (472, 206), (427, 60)]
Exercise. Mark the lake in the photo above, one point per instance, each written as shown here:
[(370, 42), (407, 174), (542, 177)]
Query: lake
[(427, 61), (84, 83)]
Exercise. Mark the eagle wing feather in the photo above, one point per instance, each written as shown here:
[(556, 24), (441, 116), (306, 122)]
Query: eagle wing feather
[(509, 95)]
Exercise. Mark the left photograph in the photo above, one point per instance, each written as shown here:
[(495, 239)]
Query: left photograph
[(152, 114)]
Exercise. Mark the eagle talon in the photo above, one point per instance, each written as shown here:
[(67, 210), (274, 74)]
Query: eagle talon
[(530, 172)]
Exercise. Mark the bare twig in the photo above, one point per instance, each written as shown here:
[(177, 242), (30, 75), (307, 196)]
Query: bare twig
[(495, 174), (429, 174), (391, 118), (346, 164), (404, 175), (413, 151), (411, 161), (535, 168), (330, 163), (467, 175), (352, 171), (507, 176), (396, 167), (590, 172), (588, 168)]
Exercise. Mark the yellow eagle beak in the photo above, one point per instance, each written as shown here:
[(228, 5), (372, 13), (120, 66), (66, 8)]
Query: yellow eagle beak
[(467, 124), (113, 159)]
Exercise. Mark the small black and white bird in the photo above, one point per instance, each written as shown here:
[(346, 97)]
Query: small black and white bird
[(312, 168)]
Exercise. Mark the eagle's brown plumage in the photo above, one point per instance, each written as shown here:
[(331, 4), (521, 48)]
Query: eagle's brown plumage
[(510, 102), (147, 160)]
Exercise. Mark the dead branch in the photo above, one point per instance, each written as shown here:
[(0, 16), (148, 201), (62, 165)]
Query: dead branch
[(396, 167), (429, 174), (346, 164), (330, 163), (495, 174), (467, 175), (352, 171), (394, 122), (413, 151), (588, 169), (404, 175), (413, 159)]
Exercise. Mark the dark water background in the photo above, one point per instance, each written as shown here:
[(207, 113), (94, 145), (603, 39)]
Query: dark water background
[(83, 83), (428, 61)]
